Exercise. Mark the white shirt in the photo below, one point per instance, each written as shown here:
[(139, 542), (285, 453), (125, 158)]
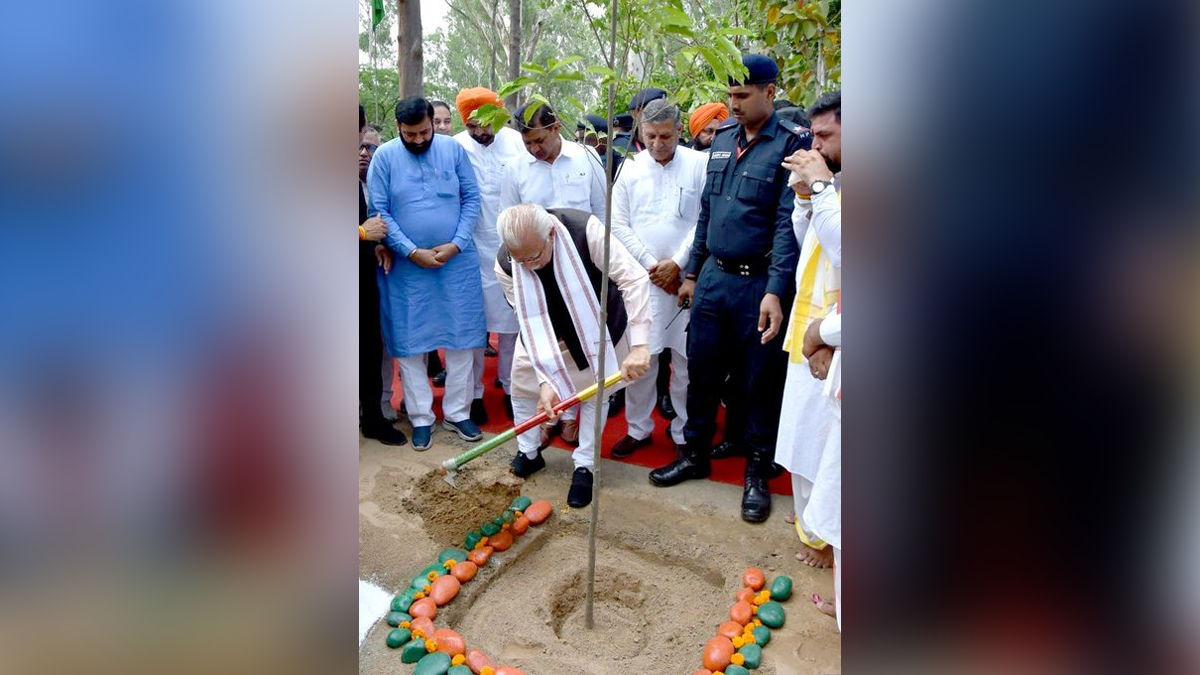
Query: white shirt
[(574, 181)]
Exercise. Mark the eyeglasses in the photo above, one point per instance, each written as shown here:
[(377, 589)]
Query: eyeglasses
[(541, 254), (371, 147)]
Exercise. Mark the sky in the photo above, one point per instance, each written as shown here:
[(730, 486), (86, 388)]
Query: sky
[(433, 13)]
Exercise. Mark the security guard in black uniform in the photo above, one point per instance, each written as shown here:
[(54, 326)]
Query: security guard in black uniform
[(740, 281)]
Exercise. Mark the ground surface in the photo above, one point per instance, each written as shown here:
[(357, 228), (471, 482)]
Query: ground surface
[(669, 562)]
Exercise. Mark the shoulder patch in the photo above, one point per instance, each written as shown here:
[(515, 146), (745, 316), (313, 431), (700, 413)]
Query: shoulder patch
[(720, 154)]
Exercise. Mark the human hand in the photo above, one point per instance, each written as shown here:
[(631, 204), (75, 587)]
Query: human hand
[(818, 363), (384, 257), (812, 338), (686, 290), (375, 228), (444, 252), (664, 273), (810, 165), (636, 363), (770, 317), (547, 400), (425, 258)]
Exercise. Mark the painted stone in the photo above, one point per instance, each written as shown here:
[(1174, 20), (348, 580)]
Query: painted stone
[(509, 670), (754, 578), (426, 607), (702, 671), (433, 663), (762, 635), (508, 516), (398, 637), (424, 624), (456, 554), (419, 584), (520, 525), (472, 538), (717, 653), (745, 595), (458, 670), (480, 556), (498, 521), (413, 651), (450, 642), (730, 629), (771, 614), (464, 571), (489, 529), (781, 588), (539, 511), (401, 602), (394, 618), (740, 612), (520, 503), (752, 655), (734, 669), (476, 660), (502, 541), (444, 590)]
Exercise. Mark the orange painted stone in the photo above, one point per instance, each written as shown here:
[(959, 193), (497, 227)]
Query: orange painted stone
[(702, 671), (520, 525), (502, 541), (464, 571), (444, 589), (754, 578), (424, 623), (730, 629), (476, 660), (537, 513), (745, 594), (480, 556), (450, 642), (717, 653), (740, 612), (425, 607), (509, 670)]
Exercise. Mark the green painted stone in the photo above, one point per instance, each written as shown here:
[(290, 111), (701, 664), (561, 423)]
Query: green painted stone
[(435, 663), (402, 602), (458, 670), (508, 516), (781, 588), (734, 669), (436, 567), (398, 636), (394, 618), (752, 654), (456, 554), (490, 529), (498, 521), (762, 635), (419, 584), (521, 503), (413, 651), (472, 539), (771, 614)]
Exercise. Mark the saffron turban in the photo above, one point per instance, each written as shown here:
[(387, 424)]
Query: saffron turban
[(470, 100), (704, 114)]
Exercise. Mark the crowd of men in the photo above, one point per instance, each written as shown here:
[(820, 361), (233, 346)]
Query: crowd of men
[(723, 284)]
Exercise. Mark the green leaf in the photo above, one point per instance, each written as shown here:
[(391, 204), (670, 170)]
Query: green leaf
[(670, 16), (601, 70), (514, 86), (533, 68), (573, 76), (810, 28), (565, 62)]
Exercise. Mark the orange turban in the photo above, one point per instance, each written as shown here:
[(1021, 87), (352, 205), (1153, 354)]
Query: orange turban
[(704, 114), (470, 100)]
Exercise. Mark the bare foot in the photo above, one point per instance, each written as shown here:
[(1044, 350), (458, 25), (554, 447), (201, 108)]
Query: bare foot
[(825, 606), (814, 558)]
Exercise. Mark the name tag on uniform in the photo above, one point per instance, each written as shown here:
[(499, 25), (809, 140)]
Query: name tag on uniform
[(724, 154)]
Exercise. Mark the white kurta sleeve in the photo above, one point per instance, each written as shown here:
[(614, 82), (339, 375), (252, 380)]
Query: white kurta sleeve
[(621, 227), (826, 221), (598, 184), (506, 284), (801, 211), (509, 194), (685, 250), (630, 277), (831, 330)]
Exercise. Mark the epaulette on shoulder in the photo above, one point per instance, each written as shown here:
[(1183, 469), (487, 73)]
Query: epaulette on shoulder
[(792, 127)]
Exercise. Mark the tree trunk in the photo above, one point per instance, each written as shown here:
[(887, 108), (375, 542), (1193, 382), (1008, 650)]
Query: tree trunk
[(410, 60), (514, 50), (493, 43)]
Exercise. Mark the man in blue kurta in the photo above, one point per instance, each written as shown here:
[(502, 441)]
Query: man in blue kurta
[(423, 187)]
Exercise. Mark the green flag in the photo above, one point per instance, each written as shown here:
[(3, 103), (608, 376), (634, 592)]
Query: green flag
[(376, 13)]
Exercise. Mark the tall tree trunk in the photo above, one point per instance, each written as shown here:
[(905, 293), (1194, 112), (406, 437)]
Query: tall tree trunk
[(514, 50), (410, 59), (494, 43)]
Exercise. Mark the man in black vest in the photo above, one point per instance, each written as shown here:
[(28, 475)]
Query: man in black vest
[(550, 267), (740, 279)]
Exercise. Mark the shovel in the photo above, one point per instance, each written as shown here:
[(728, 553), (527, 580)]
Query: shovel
[(451, 466)]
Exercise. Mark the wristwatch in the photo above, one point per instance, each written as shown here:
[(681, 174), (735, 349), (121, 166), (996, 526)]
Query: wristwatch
[(818, 186)]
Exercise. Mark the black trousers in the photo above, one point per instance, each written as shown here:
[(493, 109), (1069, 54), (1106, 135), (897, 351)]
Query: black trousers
[(370, 339), (724, 342)]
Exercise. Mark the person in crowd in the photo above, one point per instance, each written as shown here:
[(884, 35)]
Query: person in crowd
[(443, 118), (703, 123)]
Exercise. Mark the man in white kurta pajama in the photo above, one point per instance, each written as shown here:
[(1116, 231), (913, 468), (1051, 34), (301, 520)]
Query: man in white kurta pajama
[(550, 266), (656, 201), (492, 153)]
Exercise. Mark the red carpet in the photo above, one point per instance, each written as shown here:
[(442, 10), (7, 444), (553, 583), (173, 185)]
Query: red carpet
[(652, 456)]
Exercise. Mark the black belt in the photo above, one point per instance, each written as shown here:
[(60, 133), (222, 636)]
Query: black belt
[(746, 267)]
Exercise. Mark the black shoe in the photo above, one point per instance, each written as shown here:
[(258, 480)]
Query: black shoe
[(580, 494), (627, 446), (439, 380), (616, 403), (665, 407), (523, 467), (725, 450), (686, 468), (478, 412), (498, 384), (756, 497), (508, 406), (384, 433), (490, 350), (403, 408)]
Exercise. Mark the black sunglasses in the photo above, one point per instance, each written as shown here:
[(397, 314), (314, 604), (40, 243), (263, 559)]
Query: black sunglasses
[(369, 146)]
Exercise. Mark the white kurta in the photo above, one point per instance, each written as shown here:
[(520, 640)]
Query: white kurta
[(574, 181), (823, 513), (808, 414), (490, 163), (655, 209)]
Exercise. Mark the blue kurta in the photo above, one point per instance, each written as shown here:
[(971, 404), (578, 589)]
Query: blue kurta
[(427, 200)]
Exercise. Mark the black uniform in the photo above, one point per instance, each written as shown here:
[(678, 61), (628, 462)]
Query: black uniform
[(744, 248)]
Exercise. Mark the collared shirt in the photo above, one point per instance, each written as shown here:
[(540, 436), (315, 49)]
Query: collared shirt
[(574, 181), (746, 208), (655, 207)]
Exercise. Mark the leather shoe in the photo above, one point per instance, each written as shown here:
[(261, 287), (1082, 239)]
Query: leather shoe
[(756, 497), (580, 494), (685, 468), (508, 406), (439, 380), (478, 412), (523, 467), (627, 446), (665, 407), (616, 403), (725, 449), (385, 433), (490, 351)]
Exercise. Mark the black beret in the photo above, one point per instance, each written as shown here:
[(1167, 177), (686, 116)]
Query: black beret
[(762, 69), (644, 96), (597, 121), (623, 120)]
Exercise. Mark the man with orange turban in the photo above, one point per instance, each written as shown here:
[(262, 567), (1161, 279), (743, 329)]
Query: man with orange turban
[(703, 124), (490, 150)]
